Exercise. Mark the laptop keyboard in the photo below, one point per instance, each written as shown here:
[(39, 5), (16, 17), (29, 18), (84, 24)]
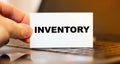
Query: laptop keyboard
[(75, 51)]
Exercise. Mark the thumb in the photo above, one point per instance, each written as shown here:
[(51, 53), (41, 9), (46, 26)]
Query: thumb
[(21, 31)]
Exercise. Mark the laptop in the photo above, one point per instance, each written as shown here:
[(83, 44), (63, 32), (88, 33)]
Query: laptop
[(106, 29)]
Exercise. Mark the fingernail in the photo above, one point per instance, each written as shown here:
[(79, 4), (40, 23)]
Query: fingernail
[(26, 40)]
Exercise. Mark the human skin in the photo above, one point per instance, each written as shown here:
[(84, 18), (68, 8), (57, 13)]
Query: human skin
[(13, 24)]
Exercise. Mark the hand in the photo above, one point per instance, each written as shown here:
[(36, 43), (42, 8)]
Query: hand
[(13, 24)]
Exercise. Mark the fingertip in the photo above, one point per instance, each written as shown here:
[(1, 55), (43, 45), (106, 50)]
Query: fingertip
[(26, 31)]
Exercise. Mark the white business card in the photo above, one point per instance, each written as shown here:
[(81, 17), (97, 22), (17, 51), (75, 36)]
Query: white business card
[(61, 30)]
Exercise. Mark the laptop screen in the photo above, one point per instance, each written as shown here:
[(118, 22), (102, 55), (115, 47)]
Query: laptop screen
[(106, 14)]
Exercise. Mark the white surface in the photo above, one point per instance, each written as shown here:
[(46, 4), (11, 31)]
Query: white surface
[(27, 6), (47, 40)]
